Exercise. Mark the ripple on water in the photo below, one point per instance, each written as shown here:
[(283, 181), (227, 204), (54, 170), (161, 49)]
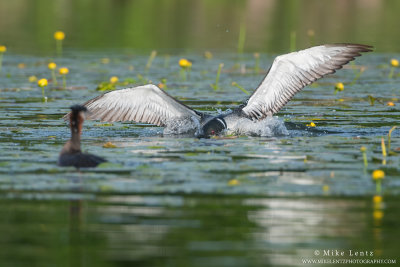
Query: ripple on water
[(301, 161)]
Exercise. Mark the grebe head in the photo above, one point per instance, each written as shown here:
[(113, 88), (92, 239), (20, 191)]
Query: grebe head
[(213, 127), (78, 108), (77, 117)]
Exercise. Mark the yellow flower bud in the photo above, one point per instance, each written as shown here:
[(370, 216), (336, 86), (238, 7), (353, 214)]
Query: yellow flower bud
[(363, 149), (105, 60), (42, 82), (59, 35), (109, 145), (377, 214), (3, 48), (32, 79), (184, 63), (113, 79), (233, 182), (63, 71), (339, 87), (52, 65), (378, 174), (394, 62), (377, 199), (390, 104), (208, 55)]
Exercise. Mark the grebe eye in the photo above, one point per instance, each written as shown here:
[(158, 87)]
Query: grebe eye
[(212, 132)]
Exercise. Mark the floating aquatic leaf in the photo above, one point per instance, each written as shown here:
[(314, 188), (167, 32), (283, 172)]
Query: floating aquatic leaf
[(109, 145), (233, 182), (106, 188), (109, 165), (371, 100), (104, 124), (106, 86)]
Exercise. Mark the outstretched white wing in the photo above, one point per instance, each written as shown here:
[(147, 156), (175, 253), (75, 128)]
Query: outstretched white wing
[(291, 72), (147, 103)]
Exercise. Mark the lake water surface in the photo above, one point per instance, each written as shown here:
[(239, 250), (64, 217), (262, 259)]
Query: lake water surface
[(182, 201)]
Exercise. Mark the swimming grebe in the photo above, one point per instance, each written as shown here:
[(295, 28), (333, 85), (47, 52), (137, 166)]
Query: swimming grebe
[(288, 74), (71, 154)]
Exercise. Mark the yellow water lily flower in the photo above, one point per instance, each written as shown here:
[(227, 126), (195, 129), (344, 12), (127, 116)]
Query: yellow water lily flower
[(394, 62), (2, 50), (311, 124), (184, 63), (377, 199), (377, 214), (378, 174), (42, 82), (52, 65), (114, 79), (390, 104), (339, 87), (63, 71), (59, 35)]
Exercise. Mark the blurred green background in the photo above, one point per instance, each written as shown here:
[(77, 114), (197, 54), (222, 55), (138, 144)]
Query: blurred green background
[(27, 26)]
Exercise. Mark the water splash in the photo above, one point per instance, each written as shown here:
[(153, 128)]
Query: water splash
[(267, 127), (182, 126), (243, 126)]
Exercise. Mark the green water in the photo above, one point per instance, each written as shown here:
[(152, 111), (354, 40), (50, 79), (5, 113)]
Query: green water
[(179, 25), (184, 230), (180, 201), (170, 201)]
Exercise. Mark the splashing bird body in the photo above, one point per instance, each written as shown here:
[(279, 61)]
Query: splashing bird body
[(288, 74)]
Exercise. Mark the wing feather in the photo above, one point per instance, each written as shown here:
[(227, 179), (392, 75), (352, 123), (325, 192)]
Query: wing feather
[(147, 103), (292, 72)]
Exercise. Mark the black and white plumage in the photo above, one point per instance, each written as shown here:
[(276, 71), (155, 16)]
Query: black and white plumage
[(292, 72), (288, 74), (71, 154), (147, 103)]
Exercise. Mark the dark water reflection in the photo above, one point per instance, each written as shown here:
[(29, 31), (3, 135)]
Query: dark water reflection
[(179, 230)]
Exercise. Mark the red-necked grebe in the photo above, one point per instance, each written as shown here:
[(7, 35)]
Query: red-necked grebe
[(71, 154)]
